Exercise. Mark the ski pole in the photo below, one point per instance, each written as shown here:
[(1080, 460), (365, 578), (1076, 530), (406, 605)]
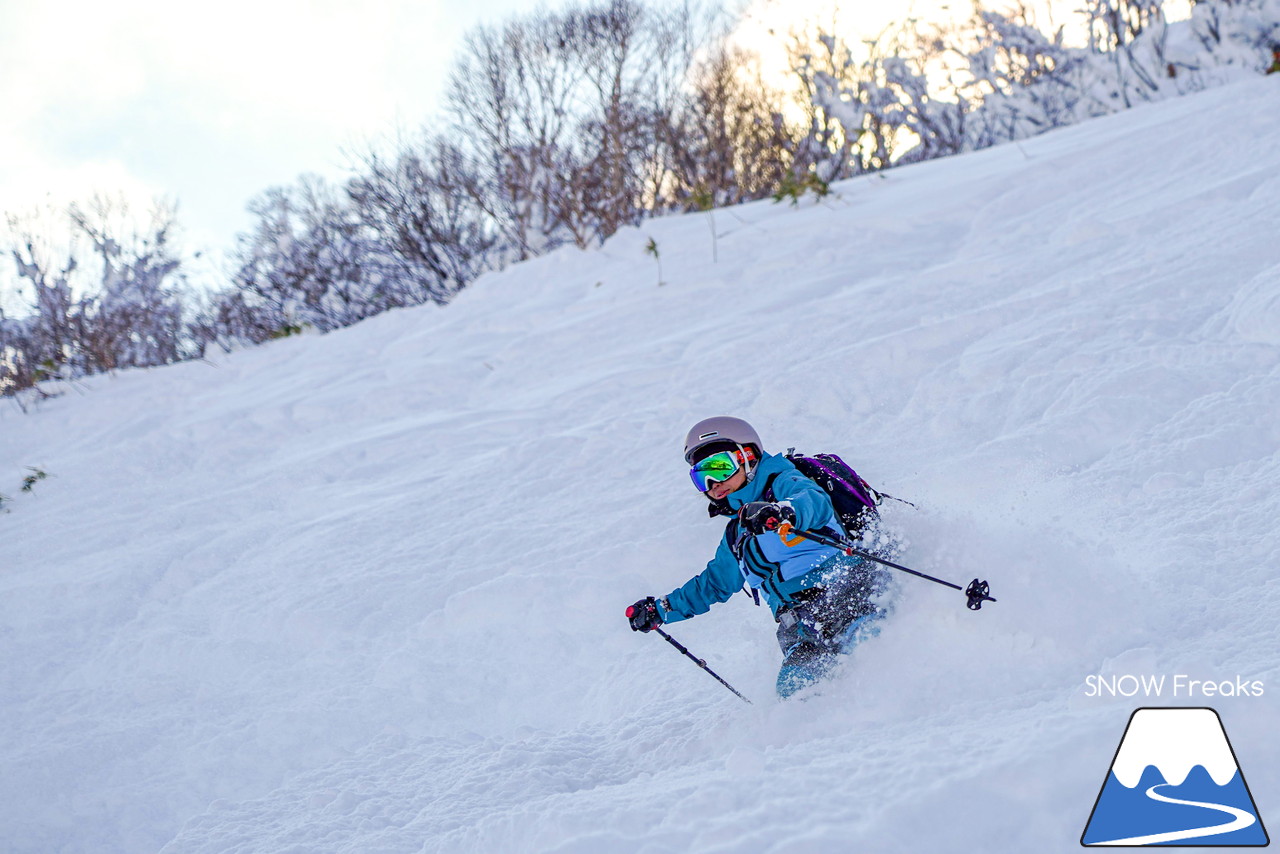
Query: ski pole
[(698, 661), (977, 591)]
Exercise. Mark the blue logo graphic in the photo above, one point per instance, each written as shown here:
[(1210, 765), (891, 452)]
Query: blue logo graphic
[(1175, 781)]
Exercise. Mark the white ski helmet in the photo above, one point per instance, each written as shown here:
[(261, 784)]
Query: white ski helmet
[(722, 429)]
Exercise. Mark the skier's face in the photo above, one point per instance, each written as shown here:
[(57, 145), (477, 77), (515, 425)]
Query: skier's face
[(723, 472), (733, 484)]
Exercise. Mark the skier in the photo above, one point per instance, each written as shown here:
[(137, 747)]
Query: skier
[(823, 601)]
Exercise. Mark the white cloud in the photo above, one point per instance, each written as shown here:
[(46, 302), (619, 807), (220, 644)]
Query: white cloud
[(210, 103)]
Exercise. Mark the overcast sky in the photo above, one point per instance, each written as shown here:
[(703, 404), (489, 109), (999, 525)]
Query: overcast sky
[(212, 103)]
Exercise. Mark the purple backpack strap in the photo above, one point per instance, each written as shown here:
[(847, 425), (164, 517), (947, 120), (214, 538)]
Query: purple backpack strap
[(860, 488)]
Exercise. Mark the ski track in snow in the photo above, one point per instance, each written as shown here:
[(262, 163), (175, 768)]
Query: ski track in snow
[(363, 592)]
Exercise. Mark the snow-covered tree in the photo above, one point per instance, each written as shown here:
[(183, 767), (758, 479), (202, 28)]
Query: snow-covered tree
[(96, 290), (134, 316), (834, 97), (1008, 79)]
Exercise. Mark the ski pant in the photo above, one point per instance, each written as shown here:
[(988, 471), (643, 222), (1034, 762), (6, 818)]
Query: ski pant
[(828, 619)]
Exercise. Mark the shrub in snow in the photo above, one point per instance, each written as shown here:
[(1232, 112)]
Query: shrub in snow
[(36, 475), (793, 187)]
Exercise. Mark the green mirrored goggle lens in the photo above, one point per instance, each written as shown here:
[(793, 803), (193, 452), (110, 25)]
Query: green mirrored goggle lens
[(716, 468)]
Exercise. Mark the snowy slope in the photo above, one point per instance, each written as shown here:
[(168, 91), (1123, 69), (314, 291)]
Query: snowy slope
[(364, 592)]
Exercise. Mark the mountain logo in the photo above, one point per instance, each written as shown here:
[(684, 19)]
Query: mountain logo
[(1175, 781)]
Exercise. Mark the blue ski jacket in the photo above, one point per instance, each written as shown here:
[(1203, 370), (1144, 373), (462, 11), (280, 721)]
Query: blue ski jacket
[(775, 565)]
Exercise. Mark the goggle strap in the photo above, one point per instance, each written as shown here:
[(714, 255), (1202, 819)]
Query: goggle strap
[(745, 458)]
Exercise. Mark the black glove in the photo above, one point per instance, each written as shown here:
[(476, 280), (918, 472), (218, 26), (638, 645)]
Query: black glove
[(644, 616), (760, 516)]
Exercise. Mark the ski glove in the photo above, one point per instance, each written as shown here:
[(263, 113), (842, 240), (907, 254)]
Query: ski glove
[(644, 616), (760, 516)]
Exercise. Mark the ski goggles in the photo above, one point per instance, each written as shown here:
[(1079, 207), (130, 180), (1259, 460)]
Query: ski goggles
[(716, 468)]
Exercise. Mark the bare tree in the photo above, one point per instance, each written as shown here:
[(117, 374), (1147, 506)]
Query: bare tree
[(422, 208), (609, 42), (310, 261), (567, 116), (510, 98), (728, 141), (233, 318)]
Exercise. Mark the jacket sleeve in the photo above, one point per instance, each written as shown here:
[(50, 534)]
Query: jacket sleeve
[(717, 583), (811, 504)]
